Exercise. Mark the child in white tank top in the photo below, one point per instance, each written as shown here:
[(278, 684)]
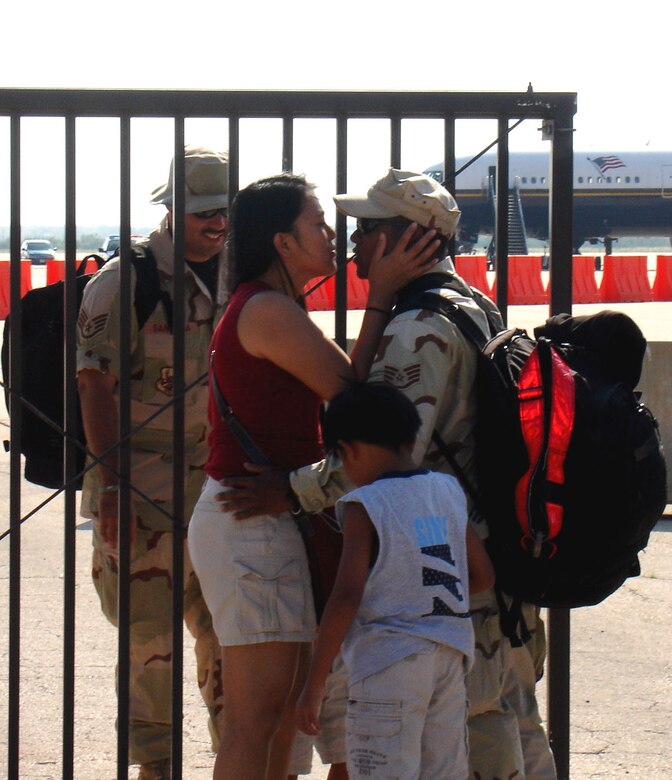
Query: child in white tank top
[(400, 604)]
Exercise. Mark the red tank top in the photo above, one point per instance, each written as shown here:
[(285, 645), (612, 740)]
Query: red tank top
[(279, 412)]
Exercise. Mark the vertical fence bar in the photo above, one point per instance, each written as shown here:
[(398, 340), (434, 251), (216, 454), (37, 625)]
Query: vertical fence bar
[(341, 306), (395, 141), (178, 446), (558, 671), (124, 464), (70, 452), (14, 642), (234, 156), (449, 181), (287, 143), (560, 216), (502, 218), (560, 235)]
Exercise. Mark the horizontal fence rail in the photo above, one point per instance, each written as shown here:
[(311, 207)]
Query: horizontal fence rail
[(554, 109)]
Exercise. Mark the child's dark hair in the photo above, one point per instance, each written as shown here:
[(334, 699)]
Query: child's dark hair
[(372, 412)]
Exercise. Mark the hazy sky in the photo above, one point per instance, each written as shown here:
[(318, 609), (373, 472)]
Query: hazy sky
[(615, 58)]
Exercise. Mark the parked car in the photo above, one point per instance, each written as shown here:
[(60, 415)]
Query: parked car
[(110, 246), (37, 250)]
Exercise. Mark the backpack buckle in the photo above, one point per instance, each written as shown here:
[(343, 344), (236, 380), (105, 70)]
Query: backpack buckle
[(538, 545)]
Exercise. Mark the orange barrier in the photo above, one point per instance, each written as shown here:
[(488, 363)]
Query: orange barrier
[(26, 284), (358, 289), (56, 269), (584, 283), (525, 283), (662, 284), (323, 298), (473, 268), (625, 279)]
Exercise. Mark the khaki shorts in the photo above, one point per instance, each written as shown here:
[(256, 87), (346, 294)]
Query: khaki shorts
[(253, 573), (409, 719), (330, 743)]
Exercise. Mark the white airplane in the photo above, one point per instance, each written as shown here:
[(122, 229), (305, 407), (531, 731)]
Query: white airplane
[(615, 194)]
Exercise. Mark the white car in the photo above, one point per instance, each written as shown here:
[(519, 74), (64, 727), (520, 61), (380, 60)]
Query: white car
[(110, 246), (37, 250)]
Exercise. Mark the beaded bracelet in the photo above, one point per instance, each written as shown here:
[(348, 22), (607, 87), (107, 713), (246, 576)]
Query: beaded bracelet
[(380, 311)]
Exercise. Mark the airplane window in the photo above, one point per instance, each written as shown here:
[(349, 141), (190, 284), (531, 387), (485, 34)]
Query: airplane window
[(636, 179), (543, 180), (533, 180), (618, 180), (627, 180), (608, 179), (590, 180), (524, 180), (600, 180), (580, 179)]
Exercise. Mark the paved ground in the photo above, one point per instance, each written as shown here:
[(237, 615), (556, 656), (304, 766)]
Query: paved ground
[(621, 667), (621, 661)]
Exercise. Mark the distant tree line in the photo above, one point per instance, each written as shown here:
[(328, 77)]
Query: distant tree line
[(89, 241)]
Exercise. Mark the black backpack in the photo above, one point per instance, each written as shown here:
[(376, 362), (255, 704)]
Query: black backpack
[(42, 352), (571, 473)]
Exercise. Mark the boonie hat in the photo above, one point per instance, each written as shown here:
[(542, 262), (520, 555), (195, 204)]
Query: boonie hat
[(414, 196), (206, 181)]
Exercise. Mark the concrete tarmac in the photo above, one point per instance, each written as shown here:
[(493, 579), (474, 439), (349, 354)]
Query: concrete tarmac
[(621, 666), (621, 650)]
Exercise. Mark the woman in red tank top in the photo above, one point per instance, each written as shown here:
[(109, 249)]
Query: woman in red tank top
[(274, 367)]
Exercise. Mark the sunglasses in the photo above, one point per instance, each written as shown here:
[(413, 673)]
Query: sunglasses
[(224, 212), (365, 225)]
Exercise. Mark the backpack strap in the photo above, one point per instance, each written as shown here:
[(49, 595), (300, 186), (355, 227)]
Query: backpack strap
[(466, 483), (511, 619), (434, 301), (248, 444), (416, 295), (430, 281), (420, 294), (148, 292), (81, 268)]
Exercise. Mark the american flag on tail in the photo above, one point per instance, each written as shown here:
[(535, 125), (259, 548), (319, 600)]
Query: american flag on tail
[(603, 164)]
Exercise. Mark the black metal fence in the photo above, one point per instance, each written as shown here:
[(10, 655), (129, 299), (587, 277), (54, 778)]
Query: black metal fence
[(555, 110)]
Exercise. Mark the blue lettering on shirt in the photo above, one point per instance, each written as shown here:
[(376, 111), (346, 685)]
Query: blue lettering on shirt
[(431, 530)]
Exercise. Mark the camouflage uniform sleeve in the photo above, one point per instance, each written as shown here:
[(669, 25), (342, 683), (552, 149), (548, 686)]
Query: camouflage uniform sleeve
[(98, 323), (319, 485)]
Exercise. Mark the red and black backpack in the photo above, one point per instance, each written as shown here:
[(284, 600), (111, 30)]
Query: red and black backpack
[(571, 473)]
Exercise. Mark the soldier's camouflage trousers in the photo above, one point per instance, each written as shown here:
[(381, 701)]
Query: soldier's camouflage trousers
[(527, 668), (151, 634), (506, 737)]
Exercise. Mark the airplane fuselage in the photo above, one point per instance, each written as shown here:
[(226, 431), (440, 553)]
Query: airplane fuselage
[(615, 194)]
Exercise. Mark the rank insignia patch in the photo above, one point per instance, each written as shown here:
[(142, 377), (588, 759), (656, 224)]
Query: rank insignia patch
[(91, 326), (402, 378)]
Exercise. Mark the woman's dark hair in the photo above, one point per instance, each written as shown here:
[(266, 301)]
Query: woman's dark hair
[(258, 212), (372, 412)]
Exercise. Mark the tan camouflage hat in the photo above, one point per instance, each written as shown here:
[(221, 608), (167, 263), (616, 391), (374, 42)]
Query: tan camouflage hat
[(206, 186), (414, 196)]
